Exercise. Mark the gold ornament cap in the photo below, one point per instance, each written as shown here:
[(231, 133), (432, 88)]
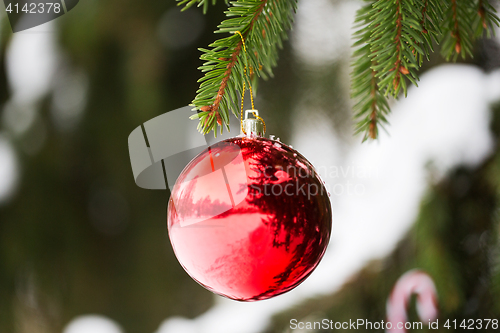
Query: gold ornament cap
[(253, 126)]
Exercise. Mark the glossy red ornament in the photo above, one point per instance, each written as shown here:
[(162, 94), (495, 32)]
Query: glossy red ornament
[(249, 218)]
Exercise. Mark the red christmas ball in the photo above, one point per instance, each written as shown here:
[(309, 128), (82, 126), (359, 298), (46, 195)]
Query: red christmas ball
[(249, 218)]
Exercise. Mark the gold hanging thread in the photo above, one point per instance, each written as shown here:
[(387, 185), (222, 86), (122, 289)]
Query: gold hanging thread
[(249, 88)]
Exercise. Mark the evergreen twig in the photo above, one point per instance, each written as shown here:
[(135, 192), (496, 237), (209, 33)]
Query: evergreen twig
[(263, 25), (485, 19), (189, 3), (372, 104), (393, 39), (458, 35)]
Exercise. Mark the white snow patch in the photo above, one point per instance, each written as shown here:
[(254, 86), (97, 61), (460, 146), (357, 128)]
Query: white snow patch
[(92, 324)]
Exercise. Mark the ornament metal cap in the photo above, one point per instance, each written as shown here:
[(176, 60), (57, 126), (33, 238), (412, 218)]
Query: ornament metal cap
[(251, 126)]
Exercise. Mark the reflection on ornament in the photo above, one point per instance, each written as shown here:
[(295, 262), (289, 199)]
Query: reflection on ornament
[(249, 218)]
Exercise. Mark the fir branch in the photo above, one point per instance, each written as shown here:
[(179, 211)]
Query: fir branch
[(393, 39), (189, 3), (432, 16), (263, 24), (372, 105), (457, 32), (396, 38), (392, 47), (486, 19)]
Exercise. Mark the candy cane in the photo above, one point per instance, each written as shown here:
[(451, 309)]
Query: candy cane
[(412, 282)]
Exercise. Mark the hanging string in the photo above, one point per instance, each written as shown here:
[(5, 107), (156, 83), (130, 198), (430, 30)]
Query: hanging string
[(245, 69), (249, 87)]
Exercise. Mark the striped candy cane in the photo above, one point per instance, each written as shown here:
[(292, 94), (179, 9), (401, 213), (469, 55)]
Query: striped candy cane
[(412, 282)]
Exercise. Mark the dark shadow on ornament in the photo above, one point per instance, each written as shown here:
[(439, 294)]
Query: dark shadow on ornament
[(285, 211)]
